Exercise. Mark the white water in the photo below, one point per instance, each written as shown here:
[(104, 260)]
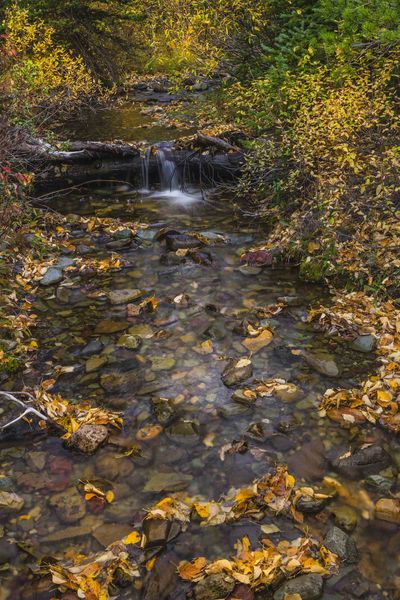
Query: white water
[(171, 184)]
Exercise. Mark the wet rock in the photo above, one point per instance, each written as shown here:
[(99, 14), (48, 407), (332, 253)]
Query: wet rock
[(388, 509), (180, 241), (129, 341), (93, 347), (64, 262), (111, 466), (161, 579), (322, 362), (162, 363), (289, 392), (364, 343), (163, 409), (11, 501), (156, 532), (309, 461), (248, 270), (67, 533), (245, 397), (107, 533), (308, 587), (183, 432), (338, 542), (116, 382), (107, 327), (8, 551), (214, 587), (237, 371), (376, 483), (94, 363), (69, 506), (83, 249), (364, 461), (124, 296), (355, 585), (88, 438), (118, 244), (167, 482), (290, 300), (52, 276), (6, 484), (123, 234), (345, 517), (311, 506)]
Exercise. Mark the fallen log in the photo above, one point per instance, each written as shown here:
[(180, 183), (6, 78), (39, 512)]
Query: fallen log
[(216, 142)]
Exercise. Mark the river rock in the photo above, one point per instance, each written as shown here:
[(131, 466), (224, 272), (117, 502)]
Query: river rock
[(93, 347), (376, 483), (124, 296), (338, 542), (162, 363), (180, 241), (8, 551), (308, 587), (156, 532), (88, 438), (345, 517), (183, 432), (94, 363), (214, 587), (11, 501), (110, 466), (322, 362), (52, 276), (364, 343), (107, 533), (69, 506), (129, 341), (163, 409), (167, 482), (115, 382), (6, 484), (237, 371), (364, 461), (107, 327), (289, 392), (388, 509)]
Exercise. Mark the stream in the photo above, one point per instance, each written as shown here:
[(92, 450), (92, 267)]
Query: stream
[(162, 370)]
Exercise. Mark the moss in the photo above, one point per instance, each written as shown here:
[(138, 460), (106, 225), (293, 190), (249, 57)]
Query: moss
[(9, 364), (312, 270)]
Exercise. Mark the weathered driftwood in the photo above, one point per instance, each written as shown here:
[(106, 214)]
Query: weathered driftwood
[(36, 149), (215, 142), (29, 410)]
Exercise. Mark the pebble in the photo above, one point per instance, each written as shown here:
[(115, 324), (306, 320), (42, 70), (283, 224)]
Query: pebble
[(364, 461), (69, 506), (95, 363), (167, 482), (364, 343)]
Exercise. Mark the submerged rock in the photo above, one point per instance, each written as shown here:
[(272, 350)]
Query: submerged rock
[(167, 482), (69, 506), (183, 432), (124, 296), (237, 371), (156, 532), (214, 587), (307, 587), (364, 461), (94, 363), (8, 551), (88, 438), (322, 362), (93, 347), (388, 509), (129, 341)]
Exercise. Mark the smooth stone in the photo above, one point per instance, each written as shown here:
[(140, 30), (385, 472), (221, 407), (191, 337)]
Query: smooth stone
[(307, 587), (129, 341), (107, 533), (388, 509), (93, 347), (237, 371), (75, 531), (323, 363), (52, 276), (11, 501), (124, 296), (338, 542), (94, 363), (69, 506), (214, 587), (88, 438), (6, 484), (364, 343), (116, 382), (163, 409), (183, 432), (142, 330), (105, 327), (64, 262), (241, 397), (374, 482), (156, 532), (83, 249), (248, 270), (110, 466), (162, 363), (167, 482), (118, 244), (123, 234), (289, 393), (309, 461)]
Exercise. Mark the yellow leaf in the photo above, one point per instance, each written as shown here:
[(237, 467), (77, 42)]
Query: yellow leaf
[(202, 510), (384, 396), (132, 538), (110, 496), (254, 344), (245, 494), (190, 571), (148, 432), (150, 563)]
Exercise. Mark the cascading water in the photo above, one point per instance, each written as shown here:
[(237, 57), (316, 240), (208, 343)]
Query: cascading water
[(162, 177)]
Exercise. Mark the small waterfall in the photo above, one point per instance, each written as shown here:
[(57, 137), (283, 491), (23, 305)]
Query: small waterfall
[(168, 174)]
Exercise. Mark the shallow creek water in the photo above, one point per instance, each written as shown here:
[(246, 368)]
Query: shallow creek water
[(202, 417)]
